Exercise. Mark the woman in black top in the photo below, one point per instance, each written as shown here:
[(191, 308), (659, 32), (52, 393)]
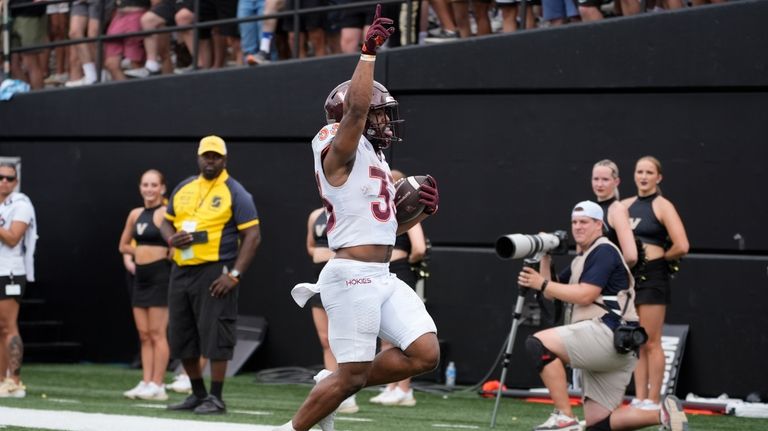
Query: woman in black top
[(141, 239), (605, 185), (656, 224)]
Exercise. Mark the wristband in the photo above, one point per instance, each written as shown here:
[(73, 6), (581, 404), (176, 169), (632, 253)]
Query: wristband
[(544, 285), (367, 57)]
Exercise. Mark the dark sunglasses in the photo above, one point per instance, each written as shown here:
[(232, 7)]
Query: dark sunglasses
[(9, 178)]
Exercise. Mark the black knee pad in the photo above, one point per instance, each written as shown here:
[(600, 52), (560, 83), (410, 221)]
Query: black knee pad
[(539, 353), (603, 425)]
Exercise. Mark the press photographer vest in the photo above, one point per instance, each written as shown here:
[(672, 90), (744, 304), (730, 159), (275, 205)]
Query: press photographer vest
[(586, 312)]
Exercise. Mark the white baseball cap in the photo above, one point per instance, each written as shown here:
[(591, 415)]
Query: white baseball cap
[(587, 209)]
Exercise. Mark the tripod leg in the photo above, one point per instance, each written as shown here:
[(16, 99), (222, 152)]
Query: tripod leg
[(516, 317)]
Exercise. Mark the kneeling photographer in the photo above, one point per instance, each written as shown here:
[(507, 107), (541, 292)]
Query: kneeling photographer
[(602, 339)]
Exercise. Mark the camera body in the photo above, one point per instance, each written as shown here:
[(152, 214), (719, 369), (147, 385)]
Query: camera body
[(629, 338), (533, 247)]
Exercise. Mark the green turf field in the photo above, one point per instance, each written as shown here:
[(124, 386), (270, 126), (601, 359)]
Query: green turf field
[(98, 389)]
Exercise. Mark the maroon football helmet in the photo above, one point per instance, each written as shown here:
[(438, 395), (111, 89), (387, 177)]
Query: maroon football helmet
[(374, 132)]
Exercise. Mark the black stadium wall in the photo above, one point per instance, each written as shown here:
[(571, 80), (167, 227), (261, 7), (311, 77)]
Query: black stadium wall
[(510, 125)]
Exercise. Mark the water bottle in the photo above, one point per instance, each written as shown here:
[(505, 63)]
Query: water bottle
[(450, 375)]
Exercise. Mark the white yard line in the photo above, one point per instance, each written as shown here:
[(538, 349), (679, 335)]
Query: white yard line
[(77, 421)]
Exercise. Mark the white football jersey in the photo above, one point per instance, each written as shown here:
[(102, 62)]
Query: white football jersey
[(361, 211)]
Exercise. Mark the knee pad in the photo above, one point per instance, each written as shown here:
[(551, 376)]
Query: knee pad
[(539, 353), (603, 425)]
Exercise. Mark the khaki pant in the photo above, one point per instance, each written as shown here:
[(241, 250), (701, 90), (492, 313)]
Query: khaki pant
[(605, 372)]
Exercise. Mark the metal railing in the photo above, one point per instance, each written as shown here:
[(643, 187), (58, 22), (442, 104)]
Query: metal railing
[(297, 12)]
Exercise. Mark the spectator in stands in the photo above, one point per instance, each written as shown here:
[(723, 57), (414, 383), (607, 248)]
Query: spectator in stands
[(616, 227), (249, 31), (448, 30), (141, 240), (212, 223), (409, 249), (311, 29), (127, 19), (213, 41), (559, 12), (268, 29), (85, 21), (601, 287), (317, 247), (658, 226), (29, 27), (510, 11), (461, 14), (354, 22), (157, 46), (18, 235), (58, 26)]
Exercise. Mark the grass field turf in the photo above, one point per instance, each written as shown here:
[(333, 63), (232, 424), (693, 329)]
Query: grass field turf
[(98, 389)]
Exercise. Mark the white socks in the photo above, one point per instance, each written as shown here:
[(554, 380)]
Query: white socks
[(286, 427), (152, 65), (89, 69)]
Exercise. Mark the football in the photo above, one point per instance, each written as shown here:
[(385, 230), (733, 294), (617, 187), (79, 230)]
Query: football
[(407, 205)]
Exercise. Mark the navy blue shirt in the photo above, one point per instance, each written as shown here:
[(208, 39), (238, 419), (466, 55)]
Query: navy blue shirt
[(603, 268)]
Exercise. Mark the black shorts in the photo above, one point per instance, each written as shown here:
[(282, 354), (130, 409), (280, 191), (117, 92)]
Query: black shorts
[(167, 9), (356, 17), (198, 323), (307, 22), (7, 289), (211, 10), (315, 300), (402, 269), (150, 285), (652, 283)]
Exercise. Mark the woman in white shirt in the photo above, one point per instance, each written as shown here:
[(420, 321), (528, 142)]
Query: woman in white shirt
[(16, 216)]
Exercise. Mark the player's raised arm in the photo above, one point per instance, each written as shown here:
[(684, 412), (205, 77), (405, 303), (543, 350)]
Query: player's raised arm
[(338, 162)]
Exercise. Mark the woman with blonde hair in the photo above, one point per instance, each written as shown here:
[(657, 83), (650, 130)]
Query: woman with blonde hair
[(150, 289), (616, 227), (658, 226)]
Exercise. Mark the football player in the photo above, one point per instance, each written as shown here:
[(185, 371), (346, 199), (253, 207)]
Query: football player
[(362, 298)]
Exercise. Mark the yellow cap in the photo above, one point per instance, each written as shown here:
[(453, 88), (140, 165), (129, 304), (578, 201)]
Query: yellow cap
[(212, 143)]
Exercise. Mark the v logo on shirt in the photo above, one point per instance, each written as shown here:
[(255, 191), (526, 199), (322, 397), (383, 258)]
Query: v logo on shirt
[(140, 228)]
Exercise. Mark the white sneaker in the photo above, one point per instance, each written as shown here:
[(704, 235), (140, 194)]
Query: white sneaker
[(671, 415), (636, 403), (408, 399), (348, 406), (383, 395), (10, 389), (326, 423), (181, 384), (132, 392), (78, 83), (152, 392), (559, 422)]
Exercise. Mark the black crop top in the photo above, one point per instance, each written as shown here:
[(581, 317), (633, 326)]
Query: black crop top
[(645, 225), (608, 230), (320, 230), (145, 232)]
